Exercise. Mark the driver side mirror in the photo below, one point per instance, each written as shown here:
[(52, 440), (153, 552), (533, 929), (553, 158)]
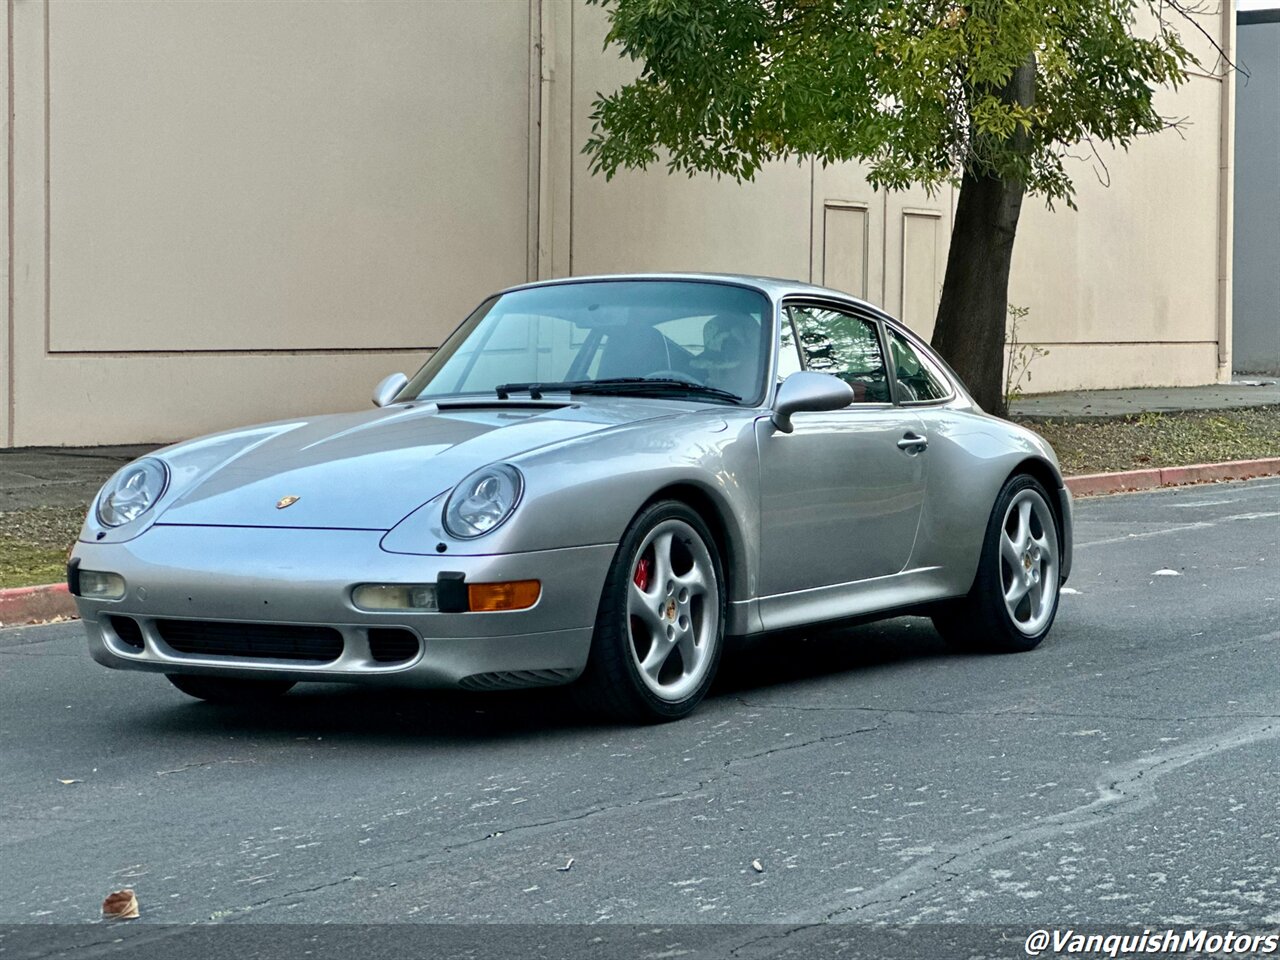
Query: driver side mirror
[(805, 391), (387, 389)]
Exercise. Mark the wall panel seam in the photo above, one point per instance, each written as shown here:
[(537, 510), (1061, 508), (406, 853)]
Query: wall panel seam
[(11, 398), (573, 65), (48, 205), (533, 195), (813, 217)]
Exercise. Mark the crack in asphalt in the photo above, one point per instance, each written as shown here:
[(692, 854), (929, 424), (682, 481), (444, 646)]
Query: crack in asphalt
[(787, 748), (993, 714), (197, 764), (45, 818), (250, 907), (780, 935), (1129, 790)]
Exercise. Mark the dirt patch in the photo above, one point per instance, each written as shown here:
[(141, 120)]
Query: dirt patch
[(1107, 444)]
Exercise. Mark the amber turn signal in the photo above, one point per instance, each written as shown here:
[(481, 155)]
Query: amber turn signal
[(514, 595)]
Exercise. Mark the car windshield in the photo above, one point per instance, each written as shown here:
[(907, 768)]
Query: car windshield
[(678, 338)]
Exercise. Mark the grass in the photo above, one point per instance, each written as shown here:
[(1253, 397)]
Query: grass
[(34, 542), (1106, 444), (22, 565)]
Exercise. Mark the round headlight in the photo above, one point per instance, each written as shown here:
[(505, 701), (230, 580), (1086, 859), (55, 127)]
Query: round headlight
[(132, 491), (482, 501)]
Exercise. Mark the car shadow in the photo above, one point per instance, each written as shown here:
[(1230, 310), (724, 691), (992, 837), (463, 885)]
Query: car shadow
[(787, 659), (394, 716)]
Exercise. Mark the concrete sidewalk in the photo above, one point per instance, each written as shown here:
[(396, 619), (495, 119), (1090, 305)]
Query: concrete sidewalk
[(1262, 392), (58, 476)]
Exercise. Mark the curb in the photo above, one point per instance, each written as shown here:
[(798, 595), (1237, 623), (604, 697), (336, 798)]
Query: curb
[(21, 605), (1099, 484)]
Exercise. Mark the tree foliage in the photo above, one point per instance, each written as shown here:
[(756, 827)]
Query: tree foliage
[(916, 89)]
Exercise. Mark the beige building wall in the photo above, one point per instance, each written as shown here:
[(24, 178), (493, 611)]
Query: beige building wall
[(224, 213)]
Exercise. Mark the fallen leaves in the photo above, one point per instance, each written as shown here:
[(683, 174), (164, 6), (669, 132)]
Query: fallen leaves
[(1102, 444), (120, 905), (757, 866)]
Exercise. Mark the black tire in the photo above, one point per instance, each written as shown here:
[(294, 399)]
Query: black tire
[(611, 684), (229, 690), (981, 621)]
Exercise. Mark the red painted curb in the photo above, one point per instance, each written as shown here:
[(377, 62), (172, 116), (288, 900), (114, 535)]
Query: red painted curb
[(1098, 484), (20, 605)]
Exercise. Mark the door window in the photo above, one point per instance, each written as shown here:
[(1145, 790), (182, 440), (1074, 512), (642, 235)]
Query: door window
[(788, 354), (915, 375), (844, 346)]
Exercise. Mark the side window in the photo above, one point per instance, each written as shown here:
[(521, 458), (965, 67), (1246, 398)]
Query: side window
[(844, 346), (788, 355), (917, 379)]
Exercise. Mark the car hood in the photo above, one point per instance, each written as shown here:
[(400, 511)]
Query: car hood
[(369, 470)]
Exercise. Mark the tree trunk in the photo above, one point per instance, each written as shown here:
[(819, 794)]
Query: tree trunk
[(970, 327)]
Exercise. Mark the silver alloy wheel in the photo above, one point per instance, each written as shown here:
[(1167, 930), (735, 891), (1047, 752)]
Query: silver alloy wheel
[(1029, 562), (673, 610)]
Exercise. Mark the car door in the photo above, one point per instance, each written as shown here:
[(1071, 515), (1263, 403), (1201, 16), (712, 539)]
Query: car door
[(841, 495)]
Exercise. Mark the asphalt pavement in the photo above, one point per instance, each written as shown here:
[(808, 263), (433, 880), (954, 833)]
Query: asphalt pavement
[(1123, 773)]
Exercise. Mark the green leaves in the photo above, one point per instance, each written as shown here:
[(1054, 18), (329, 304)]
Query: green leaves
[(919, 90)]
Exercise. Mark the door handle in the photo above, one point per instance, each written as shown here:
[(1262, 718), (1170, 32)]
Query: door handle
[(913, 442)]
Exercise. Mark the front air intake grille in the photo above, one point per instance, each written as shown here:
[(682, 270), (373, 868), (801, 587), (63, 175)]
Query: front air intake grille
[(516, 679), (392, 645), (128, 630), (274, 641)]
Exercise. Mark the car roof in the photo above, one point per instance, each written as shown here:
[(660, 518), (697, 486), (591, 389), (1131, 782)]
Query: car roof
[(774, 287)]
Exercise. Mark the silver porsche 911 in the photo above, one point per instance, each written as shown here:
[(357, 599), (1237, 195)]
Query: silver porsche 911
[(593, 481)]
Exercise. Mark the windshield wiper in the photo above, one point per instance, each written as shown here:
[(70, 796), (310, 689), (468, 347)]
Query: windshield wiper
[(653, 385), (619, 385)]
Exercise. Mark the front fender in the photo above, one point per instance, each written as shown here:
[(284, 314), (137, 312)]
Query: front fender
[(587, 490)]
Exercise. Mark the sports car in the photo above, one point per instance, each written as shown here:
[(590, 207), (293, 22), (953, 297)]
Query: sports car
[(592, 482)]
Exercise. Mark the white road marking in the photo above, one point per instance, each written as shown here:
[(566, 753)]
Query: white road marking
[(1179, 528)]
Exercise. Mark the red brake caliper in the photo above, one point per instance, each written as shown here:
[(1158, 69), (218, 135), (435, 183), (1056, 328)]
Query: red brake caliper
[(642, 573)]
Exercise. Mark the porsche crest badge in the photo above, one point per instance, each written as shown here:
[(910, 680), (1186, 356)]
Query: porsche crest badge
[(288, 501)]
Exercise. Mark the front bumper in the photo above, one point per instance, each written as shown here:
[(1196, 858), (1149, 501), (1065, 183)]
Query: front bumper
[(291, 577)]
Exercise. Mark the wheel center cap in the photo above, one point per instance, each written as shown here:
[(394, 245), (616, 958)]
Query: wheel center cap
[(670, 610)]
